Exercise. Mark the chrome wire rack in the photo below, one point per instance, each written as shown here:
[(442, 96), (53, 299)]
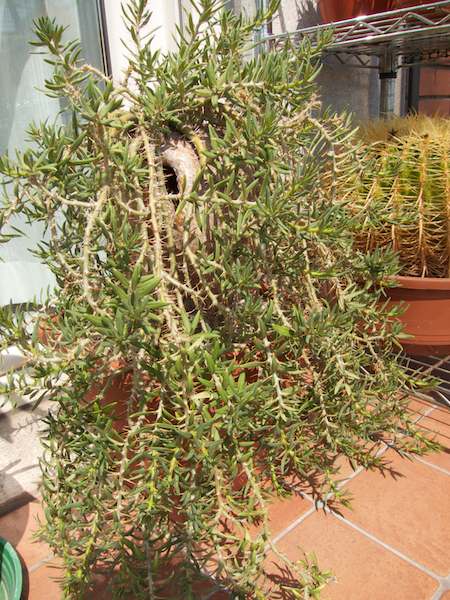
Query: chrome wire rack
[(437, 367), (421, 30), (397, 38)]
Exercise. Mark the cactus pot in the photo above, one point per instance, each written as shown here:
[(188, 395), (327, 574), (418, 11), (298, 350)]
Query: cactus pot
[(10, 572), (427, 317)]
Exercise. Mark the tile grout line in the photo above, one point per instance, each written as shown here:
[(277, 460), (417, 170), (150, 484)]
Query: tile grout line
[(444, 587), (444, 582), (421, 460), (425, 414), (317, 504), (438, 578), (41, 562), (215, 591), (293, 525)]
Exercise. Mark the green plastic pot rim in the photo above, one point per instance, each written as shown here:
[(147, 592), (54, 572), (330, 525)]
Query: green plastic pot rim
[(7, 549)]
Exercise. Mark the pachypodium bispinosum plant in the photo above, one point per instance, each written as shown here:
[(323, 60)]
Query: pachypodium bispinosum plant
[(193, 225)]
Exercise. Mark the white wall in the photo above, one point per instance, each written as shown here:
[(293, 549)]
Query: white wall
[(166, 14)]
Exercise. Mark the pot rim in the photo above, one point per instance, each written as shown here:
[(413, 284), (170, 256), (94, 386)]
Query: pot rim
[(423, 283)]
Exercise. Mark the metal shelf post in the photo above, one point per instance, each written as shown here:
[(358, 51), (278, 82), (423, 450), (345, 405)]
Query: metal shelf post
[(388, 74)]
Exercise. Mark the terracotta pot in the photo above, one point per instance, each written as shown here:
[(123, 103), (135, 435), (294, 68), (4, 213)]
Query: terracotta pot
[(118, 394), (339, 10), (427, 317), (408, 3), (46, 332)]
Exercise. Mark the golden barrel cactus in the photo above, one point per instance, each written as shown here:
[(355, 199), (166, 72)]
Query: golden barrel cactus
[(408, 175)]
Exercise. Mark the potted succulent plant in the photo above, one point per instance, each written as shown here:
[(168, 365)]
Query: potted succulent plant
[(191, 234), (408, 181)]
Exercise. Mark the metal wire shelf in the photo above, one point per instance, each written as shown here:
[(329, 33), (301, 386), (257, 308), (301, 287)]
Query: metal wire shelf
[(437, 367), (418, 34), (422, 30)]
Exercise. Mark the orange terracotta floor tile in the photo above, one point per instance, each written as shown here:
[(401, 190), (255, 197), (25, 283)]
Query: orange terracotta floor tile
[(18, 527), (282, 512), (43, 584), (418, 407), (364, 569), (313, 487), (407, 507)]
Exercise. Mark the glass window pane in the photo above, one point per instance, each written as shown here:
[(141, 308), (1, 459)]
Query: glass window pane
[(21, 275)]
